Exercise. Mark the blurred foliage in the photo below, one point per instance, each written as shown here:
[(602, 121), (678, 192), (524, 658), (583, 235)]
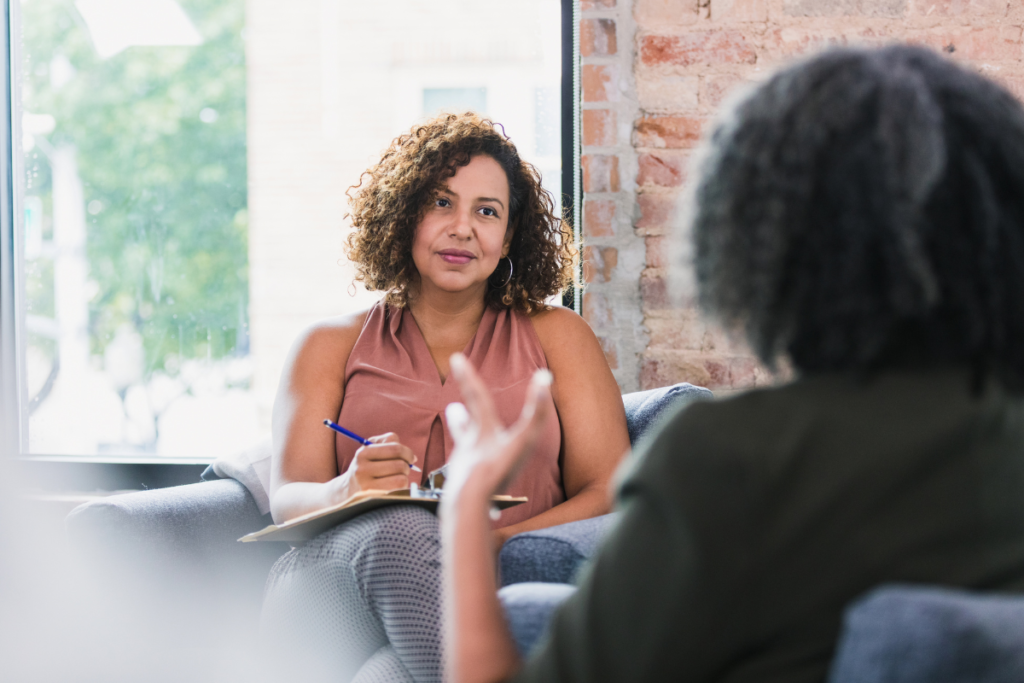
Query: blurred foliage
[(160, 135)]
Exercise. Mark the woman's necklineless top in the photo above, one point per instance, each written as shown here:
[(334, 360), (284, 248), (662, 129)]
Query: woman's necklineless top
[(393, 385)]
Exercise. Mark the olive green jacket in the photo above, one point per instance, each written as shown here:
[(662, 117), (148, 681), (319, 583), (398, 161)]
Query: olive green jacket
[(749, 524)]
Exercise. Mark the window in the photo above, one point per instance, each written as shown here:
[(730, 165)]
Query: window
[(179, 176), (436, 100)]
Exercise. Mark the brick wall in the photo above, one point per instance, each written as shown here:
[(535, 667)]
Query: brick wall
[(613, 256), (654, 73)]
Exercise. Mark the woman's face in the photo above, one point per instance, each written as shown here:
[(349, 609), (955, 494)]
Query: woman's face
[(462, 235)]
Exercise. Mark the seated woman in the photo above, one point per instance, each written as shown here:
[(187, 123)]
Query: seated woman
[(458, 233), (861, 216)]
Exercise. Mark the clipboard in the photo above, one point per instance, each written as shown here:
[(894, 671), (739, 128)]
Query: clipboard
[(314, 523)]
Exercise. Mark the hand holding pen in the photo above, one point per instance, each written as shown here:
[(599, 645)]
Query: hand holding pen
[(366, 442)]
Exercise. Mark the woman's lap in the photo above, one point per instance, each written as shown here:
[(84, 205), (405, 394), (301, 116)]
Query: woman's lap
[(368, 584)]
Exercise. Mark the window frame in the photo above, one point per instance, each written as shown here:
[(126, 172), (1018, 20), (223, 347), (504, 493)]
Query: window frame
[(54, 473)]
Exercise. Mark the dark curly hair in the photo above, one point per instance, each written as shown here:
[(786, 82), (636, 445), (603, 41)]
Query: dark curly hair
[(864, 209), (391, 197)]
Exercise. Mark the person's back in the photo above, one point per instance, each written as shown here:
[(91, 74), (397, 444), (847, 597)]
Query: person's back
[(786, 503), (859, 218)]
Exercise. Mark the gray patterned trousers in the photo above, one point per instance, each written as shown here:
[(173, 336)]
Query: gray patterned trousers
[(360, 602)]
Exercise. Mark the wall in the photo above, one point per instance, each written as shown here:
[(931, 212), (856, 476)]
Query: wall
[(330, 84), (654, 73)]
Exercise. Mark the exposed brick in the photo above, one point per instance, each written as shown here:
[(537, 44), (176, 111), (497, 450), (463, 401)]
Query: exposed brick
[(664, 169), (739, 10), (654, 291), (611, 352), (664, 368), (599, 263), (598, 83), (657, 14), (682, 331), (598, 218), (973, 8), (596, 310), (600, 172), (597, 38), (746, 372), (835, 8), (599, 127), (658, 372), (996, 43), (1015, 84), (718, 370), (668, 93), (718, 340), (596, 4), (657, 212), (668, 131), (698, 47), (790, 41), (657, 249), (717, 87)]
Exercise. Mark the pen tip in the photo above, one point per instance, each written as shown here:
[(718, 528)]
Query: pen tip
[(327, 422)]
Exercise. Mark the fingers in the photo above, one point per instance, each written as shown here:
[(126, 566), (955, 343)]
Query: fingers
[(382, 474), (459, 423), (527, 429), (390, 437), (390, 484), (537, 405), (475, 396), (386, 451), (395, 481)]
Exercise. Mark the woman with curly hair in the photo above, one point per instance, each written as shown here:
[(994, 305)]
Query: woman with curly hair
[(457, 232), (859, 216)]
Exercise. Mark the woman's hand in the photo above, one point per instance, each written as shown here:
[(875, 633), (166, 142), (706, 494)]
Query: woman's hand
[(478, 645), (486, 454), (382, 465)]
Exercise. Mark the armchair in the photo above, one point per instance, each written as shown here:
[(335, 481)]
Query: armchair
[(176, 549)]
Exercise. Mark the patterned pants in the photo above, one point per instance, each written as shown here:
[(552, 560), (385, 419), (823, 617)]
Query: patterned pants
[(360, 602)]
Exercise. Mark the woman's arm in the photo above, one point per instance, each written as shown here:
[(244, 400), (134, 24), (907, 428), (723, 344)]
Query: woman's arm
[(593, 420), (478, 646), (668, 596), (304, 469)]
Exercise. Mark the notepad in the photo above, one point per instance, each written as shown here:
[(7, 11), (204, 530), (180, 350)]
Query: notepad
[(314, 523)]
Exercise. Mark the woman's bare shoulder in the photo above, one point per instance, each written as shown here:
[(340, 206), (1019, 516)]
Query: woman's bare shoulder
[(557, 325), (326, 342)]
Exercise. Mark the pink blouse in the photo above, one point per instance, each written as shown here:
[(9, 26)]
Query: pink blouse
[(393, 385)]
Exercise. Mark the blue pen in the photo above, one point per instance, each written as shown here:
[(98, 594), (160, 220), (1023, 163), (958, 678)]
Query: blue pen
[(355, 437)]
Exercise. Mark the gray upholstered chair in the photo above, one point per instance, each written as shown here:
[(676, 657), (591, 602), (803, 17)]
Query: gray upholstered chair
[(928, 634), (176, 549)]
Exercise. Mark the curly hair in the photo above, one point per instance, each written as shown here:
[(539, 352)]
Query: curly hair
[(864, 209), (390, 199)]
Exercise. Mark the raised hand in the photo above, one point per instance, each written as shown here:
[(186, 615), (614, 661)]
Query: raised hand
[(487, 454)]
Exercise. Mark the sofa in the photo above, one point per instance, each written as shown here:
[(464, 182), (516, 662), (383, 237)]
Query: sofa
[(174, 551)]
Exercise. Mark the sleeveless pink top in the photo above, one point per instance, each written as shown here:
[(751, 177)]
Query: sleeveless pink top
[(393, 385)]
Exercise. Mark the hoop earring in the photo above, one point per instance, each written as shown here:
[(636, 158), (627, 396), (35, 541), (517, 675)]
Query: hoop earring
[(509, 279)]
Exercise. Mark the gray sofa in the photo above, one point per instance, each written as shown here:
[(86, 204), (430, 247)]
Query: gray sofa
[(174, 550)]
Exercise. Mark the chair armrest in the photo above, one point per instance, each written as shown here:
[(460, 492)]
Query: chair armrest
[(528, 609), (918, 634), (552, 555), (175, 550), (646, 409), (192, 519)]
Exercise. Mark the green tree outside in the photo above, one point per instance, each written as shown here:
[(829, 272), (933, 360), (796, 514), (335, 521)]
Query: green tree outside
[(160, 135)]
